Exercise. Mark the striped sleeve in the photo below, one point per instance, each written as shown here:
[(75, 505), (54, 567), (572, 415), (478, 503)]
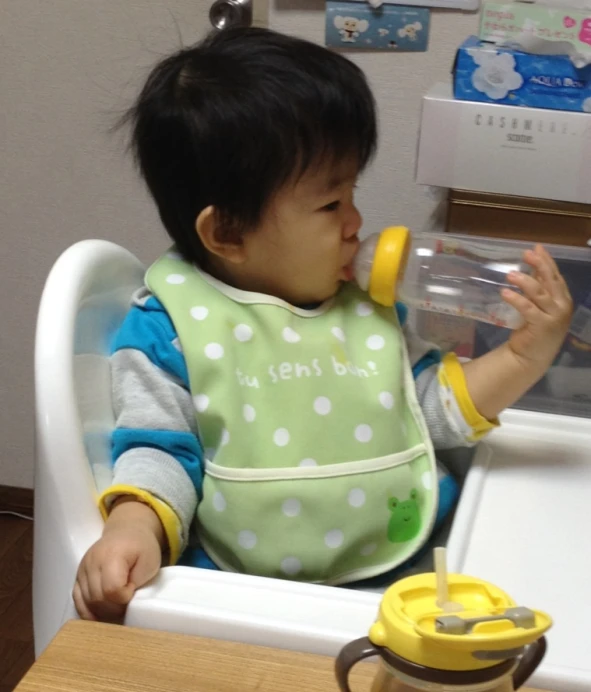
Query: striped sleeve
[(156, 451)]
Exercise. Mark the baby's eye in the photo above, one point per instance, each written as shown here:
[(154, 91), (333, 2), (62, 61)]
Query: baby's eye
[(333, 206)]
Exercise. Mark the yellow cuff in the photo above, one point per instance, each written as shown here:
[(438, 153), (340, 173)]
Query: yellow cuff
[(451, 377), (168, 518)]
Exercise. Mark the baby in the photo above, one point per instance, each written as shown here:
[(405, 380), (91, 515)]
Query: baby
[(271, 419)]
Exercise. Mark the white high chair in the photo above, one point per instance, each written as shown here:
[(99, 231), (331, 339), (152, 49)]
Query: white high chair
[(86, 297), (504, 529)]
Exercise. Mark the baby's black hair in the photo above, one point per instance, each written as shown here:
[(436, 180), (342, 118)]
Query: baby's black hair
[(229, 121)]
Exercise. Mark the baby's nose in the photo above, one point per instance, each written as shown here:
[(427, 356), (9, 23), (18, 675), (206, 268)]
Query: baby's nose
[(352, 224)]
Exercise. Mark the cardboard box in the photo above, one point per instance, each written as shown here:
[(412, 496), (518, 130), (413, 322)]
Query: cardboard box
[(512, 150), (518, 218), (501, 22), (484, 72)]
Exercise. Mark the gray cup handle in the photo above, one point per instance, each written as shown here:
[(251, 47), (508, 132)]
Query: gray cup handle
[(530, 660), (351, 654)]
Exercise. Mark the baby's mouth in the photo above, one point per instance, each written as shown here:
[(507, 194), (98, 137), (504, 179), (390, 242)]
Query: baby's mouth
[(349, 269), (349, 272)]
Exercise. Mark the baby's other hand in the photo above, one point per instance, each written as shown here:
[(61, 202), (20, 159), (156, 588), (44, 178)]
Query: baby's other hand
[(546, 306), (125, 558)]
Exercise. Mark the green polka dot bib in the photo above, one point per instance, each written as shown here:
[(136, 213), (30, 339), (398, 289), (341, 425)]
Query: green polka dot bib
[(318, 463)]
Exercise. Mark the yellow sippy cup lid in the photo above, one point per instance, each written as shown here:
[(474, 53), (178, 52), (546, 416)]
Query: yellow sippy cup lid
[(485, 627), (388, 264)]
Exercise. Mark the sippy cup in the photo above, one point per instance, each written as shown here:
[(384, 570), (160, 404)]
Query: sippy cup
[(441, 273), (477, 641)]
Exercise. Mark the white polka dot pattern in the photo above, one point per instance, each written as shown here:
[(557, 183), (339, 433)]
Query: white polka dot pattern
[(356, 497), (368, 549), (201, 402), (387, 400), (249, 413), (364, 309), (322, 406), (304, 463), (175, 279), (363, 433), (291, 507), (219, 502), (339, 334), (334, 539), (243, 332), (199, 312), (290, 335), (214, 351), (376, 342), (281, 437), (247, 539), (291, 566)]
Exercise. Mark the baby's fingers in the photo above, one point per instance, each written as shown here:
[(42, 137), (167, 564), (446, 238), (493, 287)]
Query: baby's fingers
[(534, 291), (80, 602), (530, 312), (547, 271), (99, 602), (115, 582)]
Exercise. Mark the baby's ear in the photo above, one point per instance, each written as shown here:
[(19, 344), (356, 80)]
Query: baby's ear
[(217, 238)]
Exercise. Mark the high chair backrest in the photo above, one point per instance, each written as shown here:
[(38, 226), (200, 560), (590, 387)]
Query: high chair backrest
[(85, 299)]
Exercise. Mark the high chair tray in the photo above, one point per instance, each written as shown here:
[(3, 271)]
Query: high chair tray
[(522, 523)]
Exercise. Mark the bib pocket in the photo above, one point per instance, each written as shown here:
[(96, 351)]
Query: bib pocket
[(333, 524)]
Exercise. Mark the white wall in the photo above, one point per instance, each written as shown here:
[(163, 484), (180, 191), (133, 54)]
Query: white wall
[(67, 68), (388, 194)]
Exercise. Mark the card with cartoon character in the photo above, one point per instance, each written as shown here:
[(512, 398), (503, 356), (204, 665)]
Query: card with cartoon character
[(358, 25)]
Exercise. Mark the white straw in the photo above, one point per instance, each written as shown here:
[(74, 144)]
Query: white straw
[(443, 601), (441, 577)]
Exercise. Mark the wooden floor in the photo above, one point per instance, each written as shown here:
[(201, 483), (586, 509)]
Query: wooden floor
[(16, 616)]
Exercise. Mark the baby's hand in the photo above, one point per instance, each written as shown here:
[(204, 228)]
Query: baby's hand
[(127, 556), (546, 306)]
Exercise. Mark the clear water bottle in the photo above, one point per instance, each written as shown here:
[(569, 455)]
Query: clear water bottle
[(448, 274)]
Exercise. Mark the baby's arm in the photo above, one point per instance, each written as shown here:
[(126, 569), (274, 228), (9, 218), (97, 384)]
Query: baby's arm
[(128, 555), (158, 465), (460, 401), (450, 414), (499, 378)]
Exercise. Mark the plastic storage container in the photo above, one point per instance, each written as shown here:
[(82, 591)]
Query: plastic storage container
[(446, 274), (566, 387)]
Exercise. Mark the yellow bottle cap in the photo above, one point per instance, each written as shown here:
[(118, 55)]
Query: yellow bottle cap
[(487, 627), (388, 264)]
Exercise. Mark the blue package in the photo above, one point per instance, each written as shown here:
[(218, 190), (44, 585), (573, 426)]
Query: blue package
[(488, 73), (357, 25)]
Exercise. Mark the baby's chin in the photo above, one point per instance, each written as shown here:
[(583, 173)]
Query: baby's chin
[(306, 300), (329, 295)]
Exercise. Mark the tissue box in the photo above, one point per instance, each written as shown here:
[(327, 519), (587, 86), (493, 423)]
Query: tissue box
[(502, 22), (510, 150), (488, 73)]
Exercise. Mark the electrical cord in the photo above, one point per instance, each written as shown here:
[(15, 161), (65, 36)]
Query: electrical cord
[(16, 514)]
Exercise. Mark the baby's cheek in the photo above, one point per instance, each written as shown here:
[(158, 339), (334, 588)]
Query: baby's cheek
[(327, 249)]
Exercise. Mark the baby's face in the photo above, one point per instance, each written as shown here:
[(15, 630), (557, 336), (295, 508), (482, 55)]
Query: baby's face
[(304, 248)]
